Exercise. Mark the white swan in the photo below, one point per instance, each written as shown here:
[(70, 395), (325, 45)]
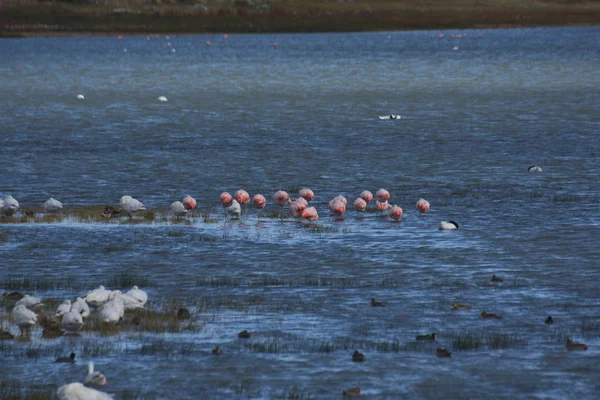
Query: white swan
[(72, 321), (10, 205), (534, 168), (52, 205), (96, 378), (391, 116), (178, 209), (97, 297), (76, 391), (29, 301), (235, 210), (62, 309), (448, 226), (129, 303), (138, 294), (162, 98), (81, 307), (131, 205), (112, 312), (23, 318)]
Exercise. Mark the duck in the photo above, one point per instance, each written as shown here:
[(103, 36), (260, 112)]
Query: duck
[(97, 297), (217, 350), (357, 356), (29, 301), (178, 209), (429, 336), (376, 303), (448, 226), (183, 313), (95, 378), (138, 294), (486, 315), (6, 335), (23, 317), (244, 334), (131, 205), (575, 346), (52, 205), (14, 296), (352, 392), (72, 321), (110, 212), (391, 116), (9, 205), (534, 168), (129, 303), (455, 306), (495, 278), (68, 360), (63, 308), (81, 307), (549, 320), (112, 312), (76, 391), (442, 352)]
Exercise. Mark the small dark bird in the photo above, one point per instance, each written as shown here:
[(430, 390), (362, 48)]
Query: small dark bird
[(455, 306), (28, 213), (15, 296), (426, 337), (442, 352), (549, 320), (6, 335), (376, 303), (352, 392), (244, 334), (357, 356), (183, 313), (217, 350), (496, 279), (69, 360), (485, 315), (575, 346), (110, 212)]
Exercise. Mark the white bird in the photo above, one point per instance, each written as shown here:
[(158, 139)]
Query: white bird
[(1, 204), (235, 210), (138, 294), (129, 303), (448, 226), (22, 317), (76, 391), (29, 301), (112, 311), (96, 378), (534, 168), (391, 116), (131, 205), (10, 205), (162, 98), (178, 209), (52, 205), (62, 309), (80, 97), (72, 321), (97, 297), (81, 307)]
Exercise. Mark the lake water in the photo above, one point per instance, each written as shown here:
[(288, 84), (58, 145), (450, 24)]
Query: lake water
[(245, 114)]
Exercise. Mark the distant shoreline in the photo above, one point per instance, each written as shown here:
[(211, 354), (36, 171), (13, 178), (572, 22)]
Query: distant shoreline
[(34, 18)]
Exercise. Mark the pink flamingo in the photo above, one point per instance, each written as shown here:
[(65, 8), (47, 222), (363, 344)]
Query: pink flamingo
[(366, 196), (297, 207), (259, 201), (307, 194), (189, 202), (208, 44), (382, 195), (225, 199), (360, 204), (382, 205), (337, 205), (310, 214), (242, 196), (281, 198), (423, 205), (396, 213)]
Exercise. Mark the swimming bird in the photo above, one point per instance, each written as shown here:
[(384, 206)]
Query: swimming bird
[(129, 303), (307, 194), (10, 205), (391, 116), (225, 199), (131, 205), (366, 196), (97, 297), (310, 214), (382, 195), (259, 201), (81, 307), (376, 303), (63, 308), (352, 392), (396, 213), (52, 205), (189, 202), (217, 350), (15, 296), (422, 205), (112, 311), (23, 317), (76, 391), (29, 301), (244, 334), (428, 336), (360, 205), (442, 352), (575, 346), (549, 320), (234, 209), (486, 315), (72, 321), (80, 97), (138, 294), (242, 196), (95, 378), (178, 209), (68, 360), (495, 278), (448, 226), (162, 98), (455, 306), (183, 313), (358, 356), (534, 168)]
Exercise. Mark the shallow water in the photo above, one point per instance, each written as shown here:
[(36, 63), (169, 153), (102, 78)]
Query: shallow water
[(242, 114)]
